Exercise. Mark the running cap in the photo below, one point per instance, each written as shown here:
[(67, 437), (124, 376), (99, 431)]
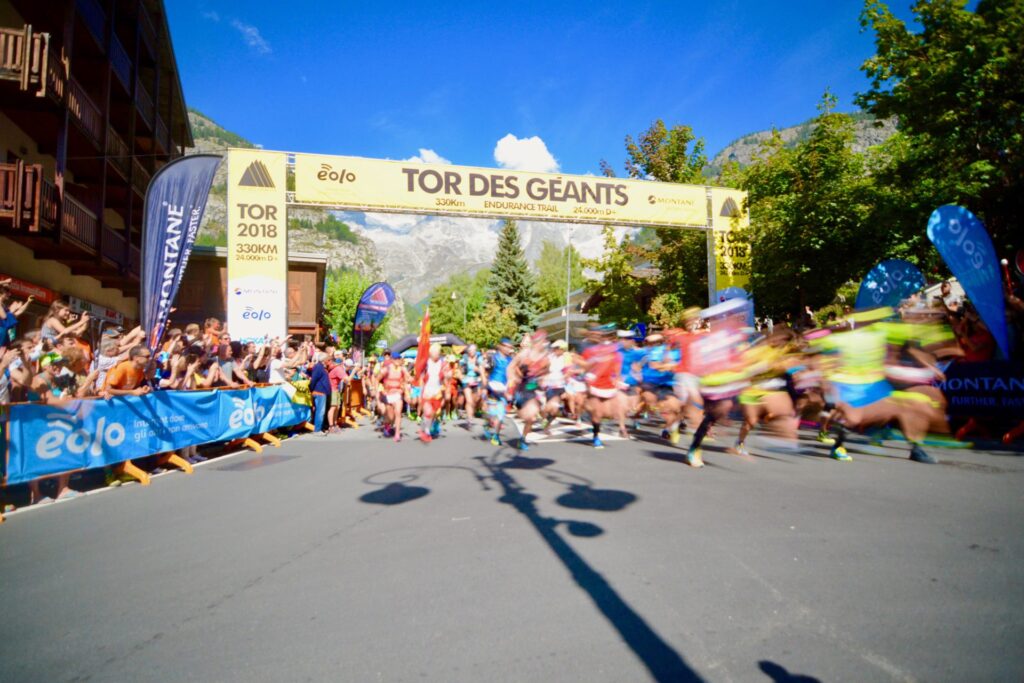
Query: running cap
[(559, 344), (626, 334), (505, 341), (656, 337), (51, 358)]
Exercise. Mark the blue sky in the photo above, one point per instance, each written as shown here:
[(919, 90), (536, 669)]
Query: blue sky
[(388, 79)]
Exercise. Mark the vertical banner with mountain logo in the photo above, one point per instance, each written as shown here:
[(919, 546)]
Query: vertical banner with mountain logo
[(730, 223), (257, 232)]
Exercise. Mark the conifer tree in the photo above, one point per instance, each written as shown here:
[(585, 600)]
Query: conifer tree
[(512, 285)]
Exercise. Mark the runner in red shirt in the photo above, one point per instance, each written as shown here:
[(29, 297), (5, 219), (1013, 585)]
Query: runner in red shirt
[(603, 364)]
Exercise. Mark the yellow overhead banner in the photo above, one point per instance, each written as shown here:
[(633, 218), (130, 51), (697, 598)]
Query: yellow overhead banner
[(257, 244), (360, 184), (730, 222)]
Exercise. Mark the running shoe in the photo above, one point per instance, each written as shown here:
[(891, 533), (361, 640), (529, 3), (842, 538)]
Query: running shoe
[(673, 436), (664, 433), (435, 429), (523, 445), (839, 453), (826, 438), (398, 437), (738, 449), (694, 458), (495, 440), (917, 454), (425, 437), (597, 442)]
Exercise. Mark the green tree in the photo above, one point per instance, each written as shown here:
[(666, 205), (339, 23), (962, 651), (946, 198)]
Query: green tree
[(511, 284), (551, 268), (489, 325), (672, 155), (343, 291), (618, 289), (811, 210), (956, 87), (447, 312)]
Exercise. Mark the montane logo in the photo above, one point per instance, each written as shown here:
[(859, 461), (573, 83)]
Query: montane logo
[(730, 209), (256, 175)]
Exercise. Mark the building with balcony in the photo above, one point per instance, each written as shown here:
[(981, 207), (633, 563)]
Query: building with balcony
[(91, 106)]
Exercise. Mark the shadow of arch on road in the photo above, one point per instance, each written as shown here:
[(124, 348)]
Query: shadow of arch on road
[(779, 674), (521, 462), (394, 494), (581, 497)]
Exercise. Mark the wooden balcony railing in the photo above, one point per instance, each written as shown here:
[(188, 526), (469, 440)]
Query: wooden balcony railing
[(79, 224), (95, 18), (121, 63), (117, 153), (162, 135), (144, 102), (147, 30), (140, 177), (85, 111), (56, 77), (134, 262), (27, 200), (23, 57), (112, 248)]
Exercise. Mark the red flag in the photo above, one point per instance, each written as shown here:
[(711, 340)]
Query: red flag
[(423, 348)]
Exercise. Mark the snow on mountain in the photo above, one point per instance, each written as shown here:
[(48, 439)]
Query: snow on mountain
[(420, 252)]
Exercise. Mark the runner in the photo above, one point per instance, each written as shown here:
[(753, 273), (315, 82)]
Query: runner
[(859, 382), (394, 382), (630, 402), (718, 363), (686, 383), (497, 389), (432, 383), (528, 370), (769, 398), (452, 392), (575, 387), (471, 371), (554, 382), (657, 383), (604, 367)]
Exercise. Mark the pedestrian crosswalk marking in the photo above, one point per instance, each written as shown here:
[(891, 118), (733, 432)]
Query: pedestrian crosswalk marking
[(563, 430)]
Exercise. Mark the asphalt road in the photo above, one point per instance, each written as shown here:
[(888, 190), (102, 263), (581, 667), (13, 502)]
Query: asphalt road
[(349, 558)]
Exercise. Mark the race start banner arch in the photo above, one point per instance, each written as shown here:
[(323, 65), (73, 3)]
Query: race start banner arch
[(257, 198)]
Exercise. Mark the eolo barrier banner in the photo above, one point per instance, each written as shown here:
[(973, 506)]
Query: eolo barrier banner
[(47, 439), (405, 187), (730, 223), (257, 295)]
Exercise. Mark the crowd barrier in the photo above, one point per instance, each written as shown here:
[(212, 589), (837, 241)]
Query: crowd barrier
[(44, 440)]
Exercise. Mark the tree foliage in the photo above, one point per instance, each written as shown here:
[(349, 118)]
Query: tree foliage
[(447, 313), (491, 324), (811, 209), (344, 288), (551, 268), (511, 284), (617, 290), (957, 89)]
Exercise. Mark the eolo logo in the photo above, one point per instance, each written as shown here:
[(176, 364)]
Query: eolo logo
[(341, 177)]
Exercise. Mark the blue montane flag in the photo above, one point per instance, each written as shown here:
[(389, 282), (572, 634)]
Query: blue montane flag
[(965, 246), (889, 283), (175, 201), (373, 306)]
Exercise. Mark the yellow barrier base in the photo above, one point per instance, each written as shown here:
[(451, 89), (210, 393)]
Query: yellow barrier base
[(253, 444), (176, 460), (129, 468), (271, 439), (308, 426)]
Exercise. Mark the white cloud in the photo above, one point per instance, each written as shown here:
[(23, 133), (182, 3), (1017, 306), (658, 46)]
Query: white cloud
[(211, 15), (524, 154), (427, 156), (251, 36)]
